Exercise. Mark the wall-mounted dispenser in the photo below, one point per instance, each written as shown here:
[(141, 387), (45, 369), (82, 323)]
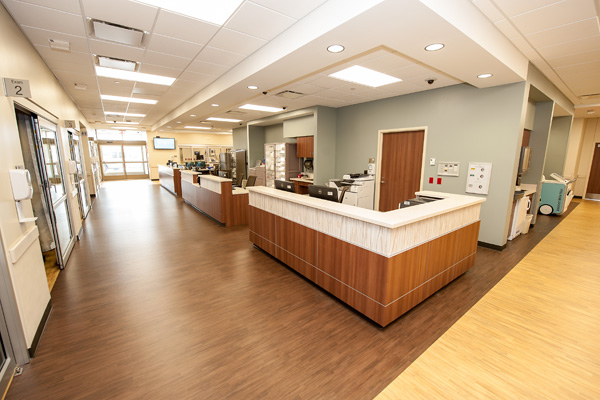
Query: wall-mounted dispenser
[(20, 180), (72, 166)]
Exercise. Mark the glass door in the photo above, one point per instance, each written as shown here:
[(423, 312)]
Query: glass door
[(79, 176), (7, 359), (124, 161)]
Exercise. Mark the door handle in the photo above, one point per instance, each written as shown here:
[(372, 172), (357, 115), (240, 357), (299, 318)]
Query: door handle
[(382, 180)]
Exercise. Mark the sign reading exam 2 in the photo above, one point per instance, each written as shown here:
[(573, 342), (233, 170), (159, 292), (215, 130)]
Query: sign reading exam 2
[(16, 87)]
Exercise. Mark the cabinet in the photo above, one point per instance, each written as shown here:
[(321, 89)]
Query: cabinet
[(281, 162), (306, 146), (260, 174)]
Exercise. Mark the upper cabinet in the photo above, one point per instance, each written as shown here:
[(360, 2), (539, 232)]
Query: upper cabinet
[(305, 148)]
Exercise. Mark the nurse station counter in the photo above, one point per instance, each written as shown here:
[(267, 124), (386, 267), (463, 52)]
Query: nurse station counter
[(380, 263)]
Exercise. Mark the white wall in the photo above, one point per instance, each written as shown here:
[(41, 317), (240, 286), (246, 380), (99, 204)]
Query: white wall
[(20, 60)]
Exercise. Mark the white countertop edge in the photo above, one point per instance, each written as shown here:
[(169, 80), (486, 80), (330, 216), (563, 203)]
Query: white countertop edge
[(302, 180), (390, 219), (189, 172), (214, 178), (234, 191)]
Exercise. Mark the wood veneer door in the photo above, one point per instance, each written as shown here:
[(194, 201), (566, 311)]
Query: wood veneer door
[(593, 189), (401, 164)]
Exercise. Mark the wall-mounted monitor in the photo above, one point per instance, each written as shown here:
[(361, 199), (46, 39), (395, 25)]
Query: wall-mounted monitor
[(161, 143), (323, 192), (285, 185)]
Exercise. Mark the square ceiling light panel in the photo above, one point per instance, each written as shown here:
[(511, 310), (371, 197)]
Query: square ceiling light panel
[(216, 12), (364, 76), (117, 33)]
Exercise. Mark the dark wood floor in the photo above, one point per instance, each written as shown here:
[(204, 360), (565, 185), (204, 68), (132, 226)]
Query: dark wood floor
[(160, 302)]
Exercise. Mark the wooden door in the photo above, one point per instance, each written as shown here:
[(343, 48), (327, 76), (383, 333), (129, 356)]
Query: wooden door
[(593, 188), (401, 164)]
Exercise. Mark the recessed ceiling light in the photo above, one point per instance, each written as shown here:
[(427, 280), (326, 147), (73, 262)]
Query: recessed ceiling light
[(434, 47), (223, 119), (261, 108), (591, 111), (215, 105), (124, 114), (178, 122), (216, 12), (117, 82), (168, 126), (127, 99), (134, 76), (197, 127), (335, 48), (192, 115), (483, 76), (252, 87), (364, 76)]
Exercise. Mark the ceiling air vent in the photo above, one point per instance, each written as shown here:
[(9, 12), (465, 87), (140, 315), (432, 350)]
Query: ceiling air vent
[(117, 33), (109, 62), (589, 96), (289, 94), (234, 112), (60, 45)]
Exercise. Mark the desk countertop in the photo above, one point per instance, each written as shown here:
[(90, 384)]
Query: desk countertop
[(302, 180)]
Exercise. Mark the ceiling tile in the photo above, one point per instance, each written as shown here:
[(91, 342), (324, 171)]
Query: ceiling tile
[(515, 7), (236, 42), (127, 13), (294, 9), (574, 59), (207, 68), (70, 78), (325, 81), (158, 70), (148, 88), (198, 78), (41, 36), (259, 21), (489, 10), (115, 50), (523, 45), (299, 87), (45, 18), (557, 14), (181, 27), (571, 75), (62, 61), (386, 63), (565, 33), (165, 60), (507, 29), (219, 57), (177, 47), (412, 71), (71, 6), (568, 48)]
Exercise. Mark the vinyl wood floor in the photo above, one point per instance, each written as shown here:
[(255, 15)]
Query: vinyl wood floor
[(535, 335), (52, 269), (160, 302)]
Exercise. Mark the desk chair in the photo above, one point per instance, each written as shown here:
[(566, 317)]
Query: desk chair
[(251, 180)]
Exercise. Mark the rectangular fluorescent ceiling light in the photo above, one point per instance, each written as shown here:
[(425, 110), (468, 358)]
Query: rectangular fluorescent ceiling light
[(127, 99), (134, 76), (123, 122), (364, 76), (216, 12), (117, 33), (223, 119), (197, 127), (124, 114), (117, 63), (261, 108)]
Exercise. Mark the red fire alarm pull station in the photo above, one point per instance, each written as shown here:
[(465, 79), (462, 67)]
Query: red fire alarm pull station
[(439, 181)]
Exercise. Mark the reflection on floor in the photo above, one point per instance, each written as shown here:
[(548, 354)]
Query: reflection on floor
[(52, 269)]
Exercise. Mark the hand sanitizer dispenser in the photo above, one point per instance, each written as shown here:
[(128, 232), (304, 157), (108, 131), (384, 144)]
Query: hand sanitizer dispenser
[(20, 180)]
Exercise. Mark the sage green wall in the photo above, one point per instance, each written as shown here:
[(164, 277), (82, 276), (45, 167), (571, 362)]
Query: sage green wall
[(538, 141), (557, 145), (325, 145), (240, 138), (256, 144), (274, 134), (464, 124)]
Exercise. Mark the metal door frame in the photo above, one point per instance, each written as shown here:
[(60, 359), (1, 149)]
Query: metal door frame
[(80, 180), (123, 143)]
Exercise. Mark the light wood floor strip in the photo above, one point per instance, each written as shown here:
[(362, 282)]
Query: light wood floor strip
[(535, 335)]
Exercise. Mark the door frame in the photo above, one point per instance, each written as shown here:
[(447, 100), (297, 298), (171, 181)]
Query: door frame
[(123, 143), (596, 145), (380, 134)]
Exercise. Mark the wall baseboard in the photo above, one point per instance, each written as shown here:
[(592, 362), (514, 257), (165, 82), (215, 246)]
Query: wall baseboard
[(492, 246), (40, 330)]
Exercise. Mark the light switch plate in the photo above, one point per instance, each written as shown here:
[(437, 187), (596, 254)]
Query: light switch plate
[(432, 161), (448, 168)]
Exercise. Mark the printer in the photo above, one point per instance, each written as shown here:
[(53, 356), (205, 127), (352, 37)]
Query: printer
[(356, 190)]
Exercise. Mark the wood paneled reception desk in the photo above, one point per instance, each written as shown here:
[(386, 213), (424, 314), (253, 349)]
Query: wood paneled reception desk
[(380, 263), (215, 197), (170, 179)]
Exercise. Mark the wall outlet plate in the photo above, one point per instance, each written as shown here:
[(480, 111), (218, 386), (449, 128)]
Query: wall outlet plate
[(432, 161)]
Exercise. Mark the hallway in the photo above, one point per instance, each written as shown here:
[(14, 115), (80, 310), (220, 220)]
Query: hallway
[(160, 302)]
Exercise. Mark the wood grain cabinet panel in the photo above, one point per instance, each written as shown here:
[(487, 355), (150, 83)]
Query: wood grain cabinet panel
[(406, 271), (442, 254), (262, 223), (467, 241), (297, 239), (305, 147)]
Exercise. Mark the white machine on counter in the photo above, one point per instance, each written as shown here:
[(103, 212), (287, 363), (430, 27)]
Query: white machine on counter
[(360, 190)]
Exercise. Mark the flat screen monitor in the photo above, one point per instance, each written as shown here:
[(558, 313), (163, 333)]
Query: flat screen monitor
[(285, 185), (161, 143), (323, 192)]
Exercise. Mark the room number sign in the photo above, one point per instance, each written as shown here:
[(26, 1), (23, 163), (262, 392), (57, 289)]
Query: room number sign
[(16, 87)]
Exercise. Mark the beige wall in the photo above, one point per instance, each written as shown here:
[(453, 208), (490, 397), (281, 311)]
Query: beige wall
[(590, 136), (156, 157), (18, 59)]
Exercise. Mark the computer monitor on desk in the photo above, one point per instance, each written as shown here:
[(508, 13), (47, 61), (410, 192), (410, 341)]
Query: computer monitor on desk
[(285, 185), (323, 192)]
